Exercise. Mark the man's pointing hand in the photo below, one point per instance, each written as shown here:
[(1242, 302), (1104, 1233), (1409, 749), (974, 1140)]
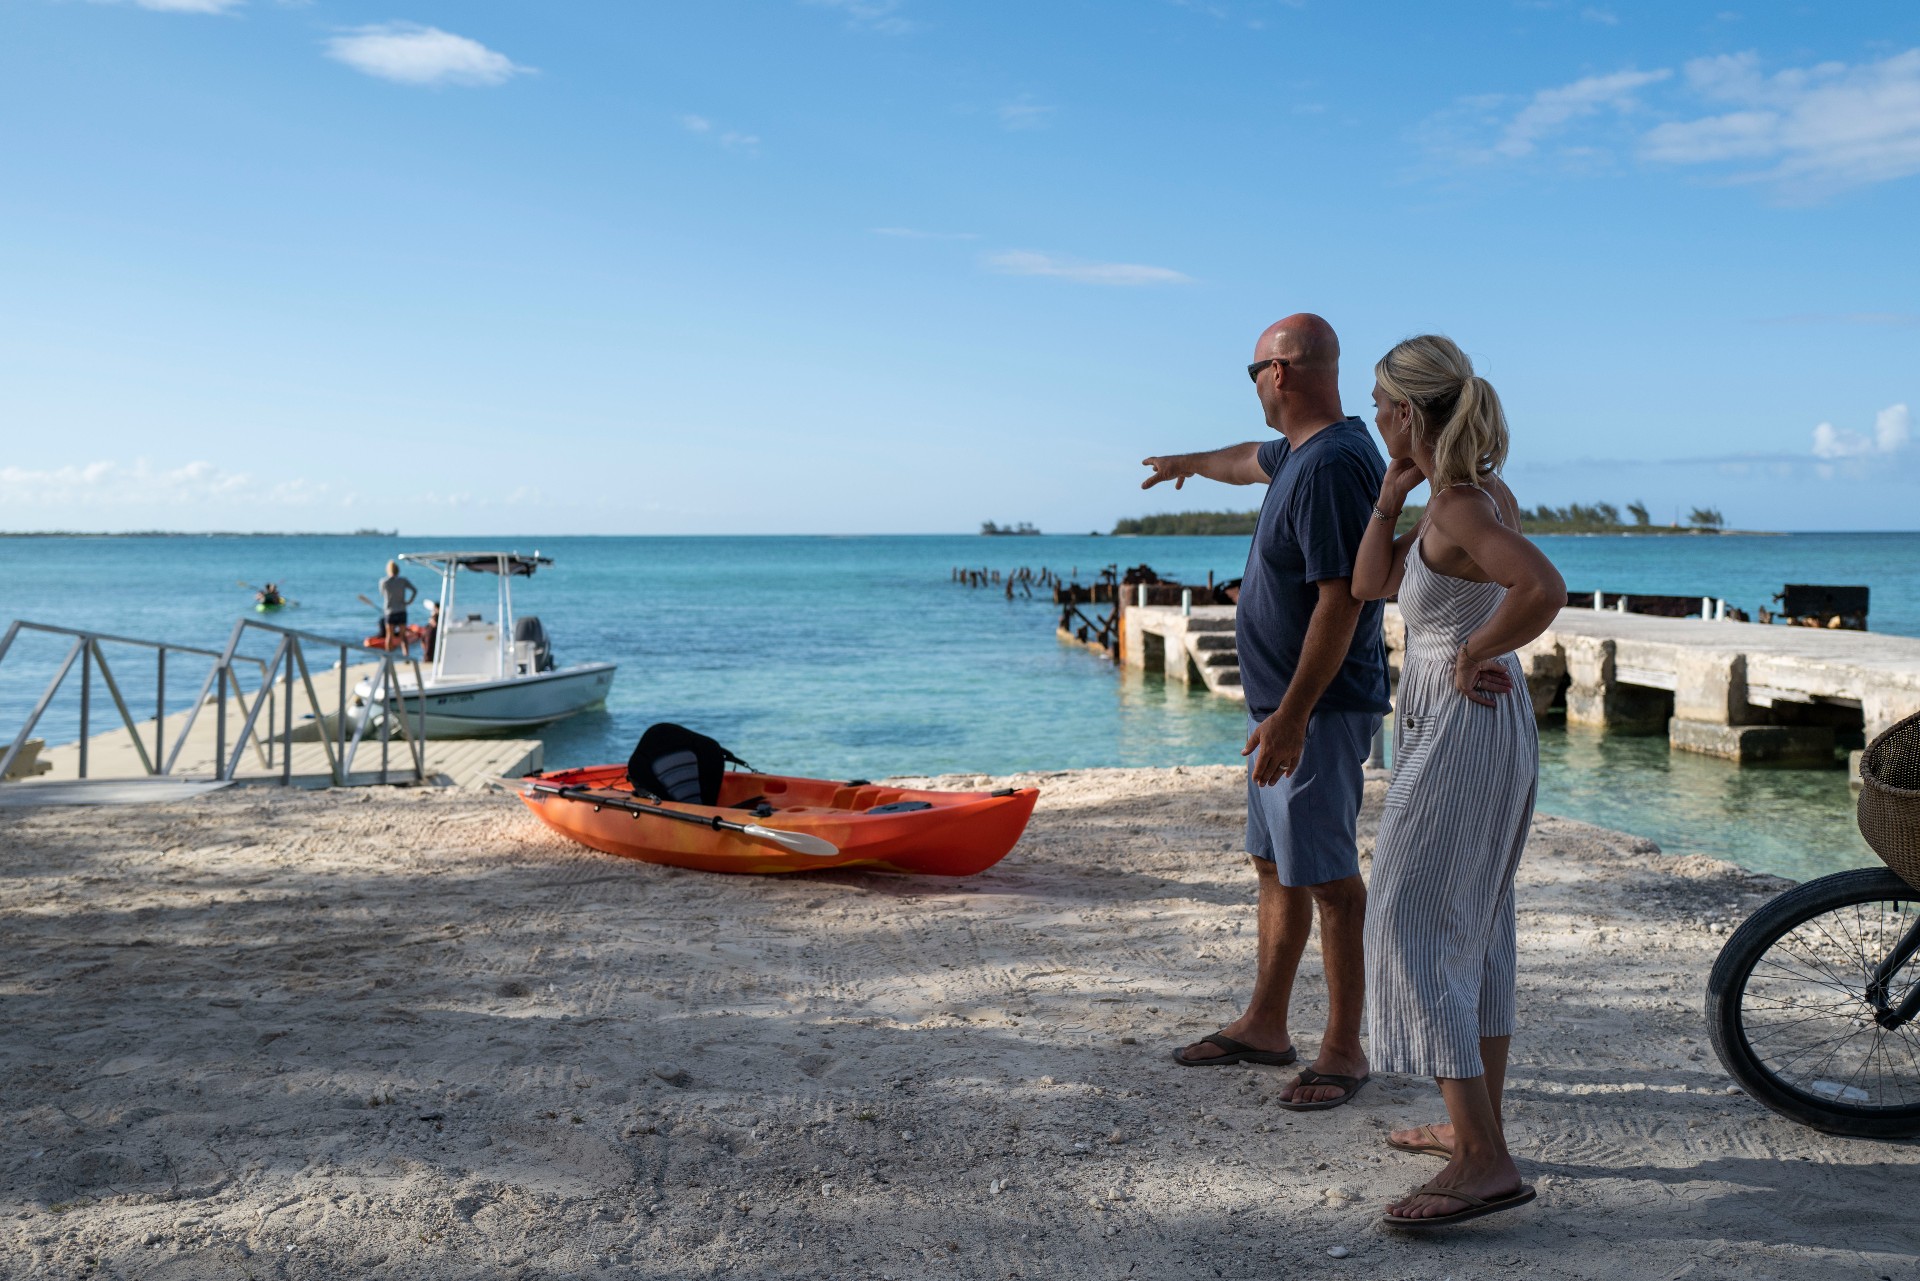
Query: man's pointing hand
[(1173, 467)]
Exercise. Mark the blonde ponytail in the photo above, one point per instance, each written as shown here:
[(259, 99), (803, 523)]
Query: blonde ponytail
[(1455, 411)]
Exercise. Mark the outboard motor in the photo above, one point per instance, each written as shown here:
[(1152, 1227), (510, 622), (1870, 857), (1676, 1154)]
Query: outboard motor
[(528, 628)]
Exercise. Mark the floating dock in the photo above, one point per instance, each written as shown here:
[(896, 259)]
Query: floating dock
[(1745, 692), (451, 762)]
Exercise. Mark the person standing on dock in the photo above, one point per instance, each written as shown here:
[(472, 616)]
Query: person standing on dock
[(396, 593), (1315, 671)]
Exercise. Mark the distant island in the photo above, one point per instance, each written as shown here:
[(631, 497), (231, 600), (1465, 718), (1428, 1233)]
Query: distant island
[(1023, 530), (1575, 518), (1189, 523), (205, 533)]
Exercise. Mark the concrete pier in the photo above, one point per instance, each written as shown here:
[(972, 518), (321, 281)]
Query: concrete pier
[(1194, 646), (1745, 692)]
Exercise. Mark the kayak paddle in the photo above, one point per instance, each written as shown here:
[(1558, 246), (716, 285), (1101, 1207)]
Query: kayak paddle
[(798, 842)]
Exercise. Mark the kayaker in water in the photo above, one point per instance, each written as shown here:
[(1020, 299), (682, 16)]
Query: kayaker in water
[(396, 593), (269, 595)]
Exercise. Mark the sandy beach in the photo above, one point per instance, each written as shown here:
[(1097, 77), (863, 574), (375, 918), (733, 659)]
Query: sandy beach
[(413, 1034)]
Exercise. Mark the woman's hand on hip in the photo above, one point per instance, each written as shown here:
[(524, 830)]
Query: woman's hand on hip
[(1480, 681)]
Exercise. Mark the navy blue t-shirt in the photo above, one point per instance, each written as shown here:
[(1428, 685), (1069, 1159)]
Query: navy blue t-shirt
[(1318, 503)]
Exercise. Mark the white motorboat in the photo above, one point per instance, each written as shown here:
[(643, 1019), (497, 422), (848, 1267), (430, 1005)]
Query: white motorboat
[(489, 676)]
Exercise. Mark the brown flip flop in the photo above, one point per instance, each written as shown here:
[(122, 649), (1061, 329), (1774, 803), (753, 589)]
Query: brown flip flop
[(1308, 1076), (1432, 1147), (1237, 1052), (1475, 1207)]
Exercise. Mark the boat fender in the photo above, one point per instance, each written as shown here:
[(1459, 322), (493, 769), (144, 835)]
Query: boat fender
[(901, 807)]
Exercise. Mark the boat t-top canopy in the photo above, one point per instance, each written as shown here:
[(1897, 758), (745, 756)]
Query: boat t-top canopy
[(468, 647), (513, 564)]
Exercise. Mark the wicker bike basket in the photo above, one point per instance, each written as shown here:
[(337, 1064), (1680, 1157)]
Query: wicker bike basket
[(1890, 798)]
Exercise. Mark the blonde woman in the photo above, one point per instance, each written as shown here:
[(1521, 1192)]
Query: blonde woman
[(1440, 923)]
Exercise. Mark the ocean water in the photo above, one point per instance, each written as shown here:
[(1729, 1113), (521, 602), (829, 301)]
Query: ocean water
[(858, 657)]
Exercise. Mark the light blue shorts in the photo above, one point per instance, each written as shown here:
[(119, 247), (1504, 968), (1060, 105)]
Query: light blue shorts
[(1304, 824)]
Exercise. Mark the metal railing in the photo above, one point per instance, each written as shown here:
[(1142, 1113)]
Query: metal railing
[(274, 695)]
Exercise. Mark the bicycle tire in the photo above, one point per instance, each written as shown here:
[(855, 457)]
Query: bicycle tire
[(1727, 989)]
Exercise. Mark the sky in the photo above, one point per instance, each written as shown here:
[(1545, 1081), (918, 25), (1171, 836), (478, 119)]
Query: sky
[(898, 266)]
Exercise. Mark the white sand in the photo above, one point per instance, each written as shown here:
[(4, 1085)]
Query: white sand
[(413, 1034)]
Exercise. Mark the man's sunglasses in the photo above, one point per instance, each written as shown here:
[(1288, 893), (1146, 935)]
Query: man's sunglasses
[(1253, 370)]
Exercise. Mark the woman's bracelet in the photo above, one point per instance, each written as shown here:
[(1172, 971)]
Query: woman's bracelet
[(1388, 517)]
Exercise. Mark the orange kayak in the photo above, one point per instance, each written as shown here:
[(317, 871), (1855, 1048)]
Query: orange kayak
[(892, 829)]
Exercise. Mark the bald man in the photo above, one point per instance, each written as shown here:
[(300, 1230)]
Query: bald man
[(1315, 673)]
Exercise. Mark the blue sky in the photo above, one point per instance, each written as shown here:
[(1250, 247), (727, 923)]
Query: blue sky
[(908, 265)]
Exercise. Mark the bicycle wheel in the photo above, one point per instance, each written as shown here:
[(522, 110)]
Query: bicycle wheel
[(1800, 1019)]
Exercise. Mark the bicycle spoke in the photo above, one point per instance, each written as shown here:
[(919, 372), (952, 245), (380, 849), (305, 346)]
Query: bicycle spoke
[(1838, 981), (1797, 977), (1805, 1016)]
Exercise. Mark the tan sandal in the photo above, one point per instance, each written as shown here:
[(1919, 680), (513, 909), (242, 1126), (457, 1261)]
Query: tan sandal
[(1473, 1206), (1350, 1085), (1431, 1146)]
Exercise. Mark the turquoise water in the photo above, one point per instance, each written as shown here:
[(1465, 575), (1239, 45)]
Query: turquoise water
[(858, 657)]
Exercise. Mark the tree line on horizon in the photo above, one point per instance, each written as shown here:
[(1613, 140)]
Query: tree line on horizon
[(1574, 518)]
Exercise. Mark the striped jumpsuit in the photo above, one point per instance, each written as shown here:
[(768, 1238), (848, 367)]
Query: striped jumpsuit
[(1440, 925)]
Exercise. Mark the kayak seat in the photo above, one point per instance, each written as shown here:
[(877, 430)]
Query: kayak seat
[(674, 763)]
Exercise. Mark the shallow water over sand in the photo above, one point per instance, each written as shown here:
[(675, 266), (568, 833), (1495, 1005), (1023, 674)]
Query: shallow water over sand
[(858, 656)]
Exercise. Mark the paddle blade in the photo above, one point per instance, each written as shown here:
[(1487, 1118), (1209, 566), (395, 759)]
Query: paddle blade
[(798, 842)]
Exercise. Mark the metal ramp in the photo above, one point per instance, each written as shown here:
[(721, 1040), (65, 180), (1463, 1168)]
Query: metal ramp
[(256, 717)]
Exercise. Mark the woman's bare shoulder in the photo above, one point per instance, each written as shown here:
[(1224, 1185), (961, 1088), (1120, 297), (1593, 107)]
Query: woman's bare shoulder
[(1461, 502)]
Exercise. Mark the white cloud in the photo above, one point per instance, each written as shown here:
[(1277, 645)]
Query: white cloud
[(731, 139), (1085, 273), (408, 53), (1892, 431), (1022, 113), (882, 16), (910, 233), (1807, 132), (1889, 319), (113, 484), (1236, 13), (1822, 128), (189, 6), (1550, 111)]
